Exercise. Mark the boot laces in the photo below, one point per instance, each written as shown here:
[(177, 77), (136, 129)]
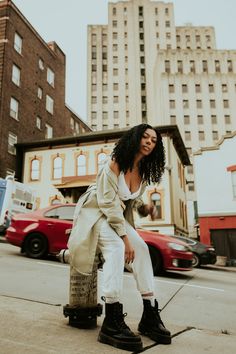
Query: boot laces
[(120, 320)]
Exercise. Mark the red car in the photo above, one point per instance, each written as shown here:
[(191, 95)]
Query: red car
[(45, 231)]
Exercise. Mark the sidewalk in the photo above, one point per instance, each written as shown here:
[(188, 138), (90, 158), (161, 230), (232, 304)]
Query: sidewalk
[(38, 328)]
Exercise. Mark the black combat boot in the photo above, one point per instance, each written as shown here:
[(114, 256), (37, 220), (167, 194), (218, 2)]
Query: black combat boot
[(151, 324), (115, 332)]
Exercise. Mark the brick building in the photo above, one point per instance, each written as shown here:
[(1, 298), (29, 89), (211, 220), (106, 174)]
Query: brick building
[(32, 87)]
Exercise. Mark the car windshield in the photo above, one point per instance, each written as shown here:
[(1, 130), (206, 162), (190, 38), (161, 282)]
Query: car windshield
[(61, 213)]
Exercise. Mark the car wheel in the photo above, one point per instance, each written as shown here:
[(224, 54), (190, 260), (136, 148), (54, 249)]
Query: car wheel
[(156, 259), (196, 261), (36, 246)]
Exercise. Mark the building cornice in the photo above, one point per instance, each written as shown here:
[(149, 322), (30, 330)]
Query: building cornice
[(106, 136), (217, 145)]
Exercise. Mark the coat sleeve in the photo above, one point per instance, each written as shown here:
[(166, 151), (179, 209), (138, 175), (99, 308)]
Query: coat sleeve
[(109, 201)]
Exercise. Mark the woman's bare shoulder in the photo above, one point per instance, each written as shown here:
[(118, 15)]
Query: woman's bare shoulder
[(114, 167)]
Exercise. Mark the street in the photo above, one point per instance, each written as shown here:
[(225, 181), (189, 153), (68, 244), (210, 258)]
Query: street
[(199, 302)]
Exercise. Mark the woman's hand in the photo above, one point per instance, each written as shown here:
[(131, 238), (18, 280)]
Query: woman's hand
[(129, 251)]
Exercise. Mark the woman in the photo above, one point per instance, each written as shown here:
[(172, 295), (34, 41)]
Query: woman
[(103, 219)]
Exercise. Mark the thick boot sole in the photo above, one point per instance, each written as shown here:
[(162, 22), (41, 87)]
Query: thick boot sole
[(156, 337), (130, 346)]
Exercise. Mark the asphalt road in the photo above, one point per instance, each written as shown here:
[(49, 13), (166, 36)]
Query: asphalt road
[(203, 299)]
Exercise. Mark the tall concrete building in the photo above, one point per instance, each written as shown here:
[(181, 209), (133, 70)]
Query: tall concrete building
[(32, 88), (143, 68)]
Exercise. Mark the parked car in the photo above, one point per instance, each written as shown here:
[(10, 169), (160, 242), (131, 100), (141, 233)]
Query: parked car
[(45, 231), (202, 253)]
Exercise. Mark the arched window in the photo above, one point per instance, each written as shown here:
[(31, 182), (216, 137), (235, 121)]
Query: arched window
[(81, 165), (101, 159), (55, 200), (34, 170), (57, 167), (156, 200)]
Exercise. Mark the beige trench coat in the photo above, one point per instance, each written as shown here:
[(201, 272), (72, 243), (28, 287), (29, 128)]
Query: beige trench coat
[(98, 202)]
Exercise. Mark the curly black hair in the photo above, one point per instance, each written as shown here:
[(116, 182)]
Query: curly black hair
[(151, 167)]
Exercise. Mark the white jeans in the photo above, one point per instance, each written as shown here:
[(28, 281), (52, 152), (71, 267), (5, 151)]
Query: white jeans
[(113, 250)]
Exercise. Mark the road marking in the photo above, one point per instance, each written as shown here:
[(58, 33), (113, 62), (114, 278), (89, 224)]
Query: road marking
[(184, 284), (190, 285)]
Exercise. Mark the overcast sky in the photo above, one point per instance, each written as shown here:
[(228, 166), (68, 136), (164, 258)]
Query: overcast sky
[(65, 22)]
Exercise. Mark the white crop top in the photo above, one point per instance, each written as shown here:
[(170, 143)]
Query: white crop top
[(123, 190)]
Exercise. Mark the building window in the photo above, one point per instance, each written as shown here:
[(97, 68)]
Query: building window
[(226, 103), (57, 167), (199, 103), (230, 66), (211, 88), (115, 86), (115, 59), (185, 104), (115, 99), (233, 178), (171, 88), (101, 158), (201, 135), (198, 88), (16, 75), (41, 64), (173, 120), (81, 165), (227, 119), (212, 103), (48, 131), (114, 23), (34, 169), (94, 87), (94, 99), (156, 201), (192, 66), (180, 66), (40, 93), (224, 88), (12, 140), (167, 23), (39, 123), (213, 119), (14, 108), (49, 104), (184, 88), (50, 77), (115, 114), (172, 104), (200, 119), (187, 135), (190, 169), (204, 66), (167, 66), (186, 120), (114, 11), (104, 115), (215, 135), (18, 43), (104, 99), (217, 66), (93, 115)]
